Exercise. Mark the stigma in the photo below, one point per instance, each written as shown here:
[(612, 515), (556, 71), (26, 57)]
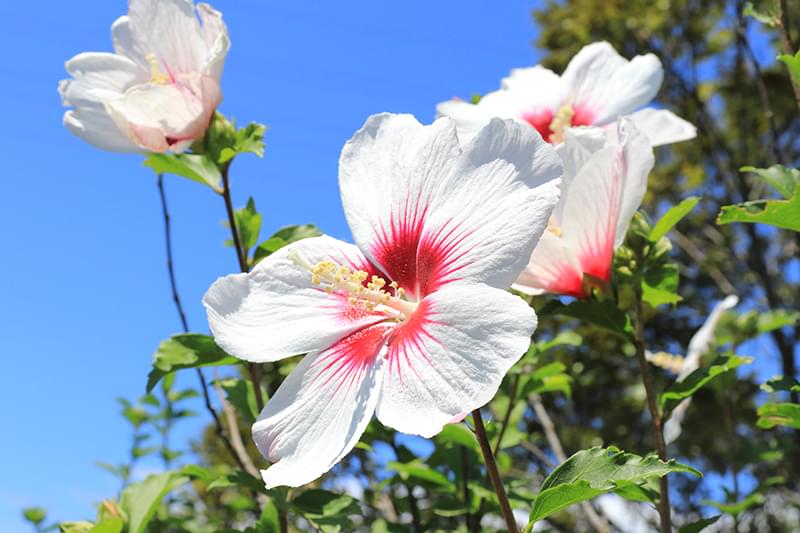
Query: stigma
[(371, 293)]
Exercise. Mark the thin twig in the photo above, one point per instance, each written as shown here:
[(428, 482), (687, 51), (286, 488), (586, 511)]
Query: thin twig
[(507, 417), (699, 257), (254, 371), (494, 475), (220, 430), (465, 486), (598, 522), (655, 415), (233, 427)]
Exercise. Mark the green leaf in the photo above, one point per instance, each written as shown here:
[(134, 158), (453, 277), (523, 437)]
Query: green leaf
[(783, 179), (324, 508), (248, 224), (793, 63), (596, 471), (700, 525), (196, 167), (548, 378), (756, 498), (780, 213), (238, 479), (249, 139), (660, 285), (241, 394), (681, 390), (141, 500), (34, 515), (284, 236), (674, 215), (781, 383), (269, 521), (187, 350), (764, 18), (779, 414), (458, 435), (419, 470), (602, 314)]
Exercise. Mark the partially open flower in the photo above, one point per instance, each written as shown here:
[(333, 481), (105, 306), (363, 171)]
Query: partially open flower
[(159, 89), (603, 185), (413, 323), (597, 88)]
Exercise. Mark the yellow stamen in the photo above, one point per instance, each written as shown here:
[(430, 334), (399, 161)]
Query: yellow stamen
[(667, 361), (560, 123), (156, 75), (340, 279), (553, 227)]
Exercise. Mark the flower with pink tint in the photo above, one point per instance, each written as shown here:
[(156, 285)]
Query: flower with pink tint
[(413, 322), (597, 88), (159, 89), (603, 185)]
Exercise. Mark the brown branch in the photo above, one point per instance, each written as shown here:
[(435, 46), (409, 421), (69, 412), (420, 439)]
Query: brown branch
[(218, 428), (507, 417), (782, 23), (494, 475), (655, 415)]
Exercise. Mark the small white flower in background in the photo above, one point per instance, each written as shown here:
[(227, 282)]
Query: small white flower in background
[(700, 345), (160, 88), (602, 187), (597, 88), (413, 323)]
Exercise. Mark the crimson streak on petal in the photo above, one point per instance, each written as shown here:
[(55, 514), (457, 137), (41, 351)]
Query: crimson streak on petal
[(349, 358)]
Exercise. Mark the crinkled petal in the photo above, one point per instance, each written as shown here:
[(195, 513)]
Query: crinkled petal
[(93, 125), (662, 126), (468, 117), (276, 312), (320, 411), (97, 75), (429, 215), (156, 116), (451, 355), (169, 30), (608, 86), (215, 35)]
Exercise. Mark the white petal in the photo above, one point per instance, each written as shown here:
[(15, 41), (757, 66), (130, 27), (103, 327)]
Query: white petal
[(701, 340), (97, 74), (451, 356), (662, 126), (578, 146), (608, 86), (429, 215), (170, 31), (215, 34), (157, 116), (602, 199), (275, 312), (124, 43), (468, 117), (320, 411), (553, 268), (93, 125)]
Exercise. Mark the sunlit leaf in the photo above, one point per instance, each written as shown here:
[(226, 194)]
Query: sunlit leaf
[(779, 414), (700, 525), (603, 314), (674, 215), (590, 473), (783, 179), (660, 285), (781, 383), (681, 390), (187, 350), (780, 213), (196, 167), (793, 63), (282, 237), (140, 501)]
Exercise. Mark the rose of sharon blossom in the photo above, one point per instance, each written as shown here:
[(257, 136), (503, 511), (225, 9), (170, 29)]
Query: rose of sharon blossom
[(597, 88), (413, 322), (159, 89), (603, 185)]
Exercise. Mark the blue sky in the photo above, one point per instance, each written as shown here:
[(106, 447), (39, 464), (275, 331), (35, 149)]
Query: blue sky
[(86, 297)]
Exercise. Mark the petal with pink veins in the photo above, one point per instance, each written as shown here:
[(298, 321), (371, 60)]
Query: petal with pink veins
[(601, 82), (429, 214), (320, 411), (451, 356), (275, 311), (553, 268)]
